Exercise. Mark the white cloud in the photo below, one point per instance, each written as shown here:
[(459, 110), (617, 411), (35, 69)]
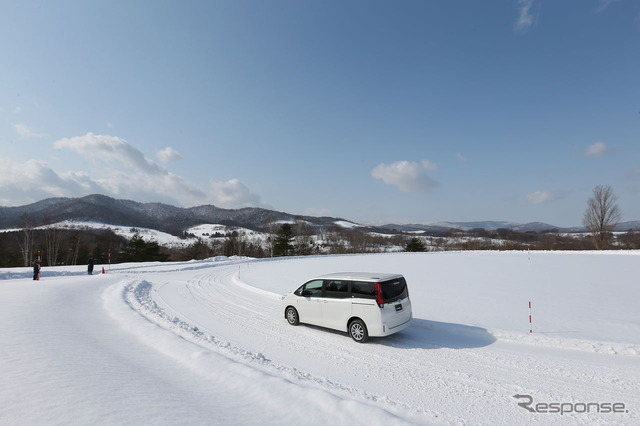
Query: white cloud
[(407, 176), (603, 4), (22, 183), (526, 17), (168, 154), (597, 149), (35, 180), (111, 149), (233, 194), (25, 132), (428, 165), (546, 196), (461, 158), (117, 169), (123, 171)]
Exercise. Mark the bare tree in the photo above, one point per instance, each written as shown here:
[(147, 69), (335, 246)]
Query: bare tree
[(25, 240), (303, 236), (602, 215), (52, 241), (75, 240)]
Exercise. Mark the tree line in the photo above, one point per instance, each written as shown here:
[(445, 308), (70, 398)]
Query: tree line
[(55, 246)]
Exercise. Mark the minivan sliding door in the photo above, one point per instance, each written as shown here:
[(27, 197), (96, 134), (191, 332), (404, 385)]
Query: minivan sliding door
[(336, 304)]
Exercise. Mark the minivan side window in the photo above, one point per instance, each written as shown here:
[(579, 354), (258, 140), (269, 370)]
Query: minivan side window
[(363, 290), (310, 289), (336, 289)]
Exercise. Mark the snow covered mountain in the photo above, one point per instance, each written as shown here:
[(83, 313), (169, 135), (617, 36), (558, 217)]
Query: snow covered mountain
[(488, 225), (174, 220), (162, 217)]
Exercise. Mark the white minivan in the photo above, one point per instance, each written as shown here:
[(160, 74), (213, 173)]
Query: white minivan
[(361, 303)]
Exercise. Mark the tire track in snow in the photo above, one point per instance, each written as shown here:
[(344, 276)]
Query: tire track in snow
[(139, 296)]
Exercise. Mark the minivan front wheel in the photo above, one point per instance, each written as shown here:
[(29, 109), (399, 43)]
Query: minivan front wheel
[(292, 315), (358, 331)]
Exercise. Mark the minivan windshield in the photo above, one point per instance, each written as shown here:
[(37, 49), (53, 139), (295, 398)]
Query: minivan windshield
[(394, 289)]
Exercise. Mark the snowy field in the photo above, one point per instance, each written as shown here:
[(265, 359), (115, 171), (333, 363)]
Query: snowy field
[(204, 342)]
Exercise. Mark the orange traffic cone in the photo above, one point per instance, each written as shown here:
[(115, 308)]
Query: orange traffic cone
[(103, 271)]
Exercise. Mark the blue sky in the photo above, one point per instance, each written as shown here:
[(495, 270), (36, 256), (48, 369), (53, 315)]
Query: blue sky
[(374, 111)]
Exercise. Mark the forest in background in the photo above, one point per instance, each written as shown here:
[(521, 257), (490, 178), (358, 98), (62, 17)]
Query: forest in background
[(74, 247)]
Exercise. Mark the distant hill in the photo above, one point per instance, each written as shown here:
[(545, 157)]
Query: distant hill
[(174, 220), (438, 227), (633, 225), (468, 226), (162, 217)]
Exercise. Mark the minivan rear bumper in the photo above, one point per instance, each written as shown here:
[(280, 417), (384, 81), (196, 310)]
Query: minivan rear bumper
[(392, 321), (387, 330)]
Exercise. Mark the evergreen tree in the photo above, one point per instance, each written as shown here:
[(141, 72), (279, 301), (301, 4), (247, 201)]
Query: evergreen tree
[(139, 250), (415, 245), (283, 245), (199, 250)]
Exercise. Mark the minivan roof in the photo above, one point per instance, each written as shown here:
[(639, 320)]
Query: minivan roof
[(360, 276)]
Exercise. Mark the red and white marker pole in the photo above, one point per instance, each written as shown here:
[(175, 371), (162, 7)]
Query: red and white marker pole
[(530, 320)]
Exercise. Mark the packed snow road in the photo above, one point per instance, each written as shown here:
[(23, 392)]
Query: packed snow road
[(64, 362), (206, 343)]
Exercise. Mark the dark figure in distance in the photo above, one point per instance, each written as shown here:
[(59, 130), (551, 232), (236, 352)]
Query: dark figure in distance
[(36, 269), (90, 266)]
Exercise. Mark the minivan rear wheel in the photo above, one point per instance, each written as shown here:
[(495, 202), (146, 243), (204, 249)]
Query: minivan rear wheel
[(292, 315), (358, 331)]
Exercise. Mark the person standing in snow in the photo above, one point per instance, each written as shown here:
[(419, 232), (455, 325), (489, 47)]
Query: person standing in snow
[(90, 266), (36, 269)]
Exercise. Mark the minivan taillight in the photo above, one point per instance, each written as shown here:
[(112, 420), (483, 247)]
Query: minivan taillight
[(379, 298)]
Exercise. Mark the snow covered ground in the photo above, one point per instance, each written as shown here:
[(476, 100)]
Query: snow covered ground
[(204, 342)]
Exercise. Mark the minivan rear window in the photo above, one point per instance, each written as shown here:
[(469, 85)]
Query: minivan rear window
[(363, 290), (394, 289)]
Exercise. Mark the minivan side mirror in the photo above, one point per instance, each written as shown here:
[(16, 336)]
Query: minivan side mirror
[(306, 293)]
